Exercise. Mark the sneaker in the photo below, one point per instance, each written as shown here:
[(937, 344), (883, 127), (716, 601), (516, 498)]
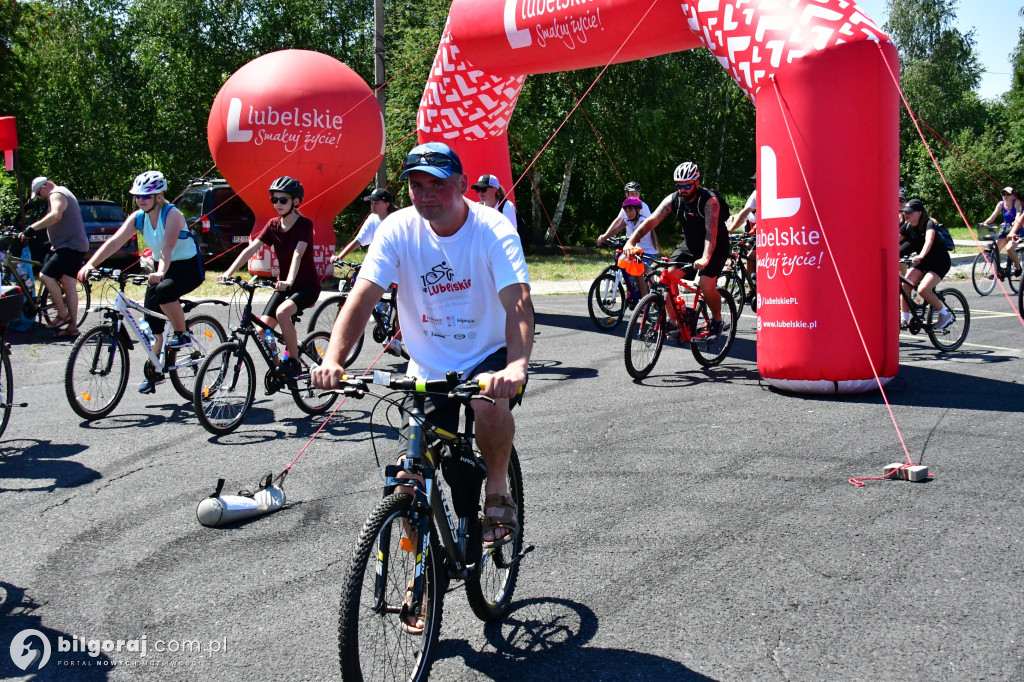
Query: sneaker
[(672, 330), (945, 318), (289, 368), (715, 330), (394, 348), (150, 387), (178, 339), (905, 320), (1017, 270)]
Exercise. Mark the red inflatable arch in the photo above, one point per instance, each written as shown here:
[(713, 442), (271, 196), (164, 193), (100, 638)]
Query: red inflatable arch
[(827, 147)]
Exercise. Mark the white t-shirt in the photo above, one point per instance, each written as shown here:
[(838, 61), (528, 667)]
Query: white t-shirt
[(752, 205), (647, 243), (509, 211), (645, 212), (448, 305), (367, 229)]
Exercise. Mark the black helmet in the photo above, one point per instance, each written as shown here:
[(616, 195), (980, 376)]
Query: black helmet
[(632, 187), (288, 185)]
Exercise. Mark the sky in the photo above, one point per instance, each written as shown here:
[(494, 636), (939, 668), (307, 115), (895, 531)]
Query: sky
[(996, 25)]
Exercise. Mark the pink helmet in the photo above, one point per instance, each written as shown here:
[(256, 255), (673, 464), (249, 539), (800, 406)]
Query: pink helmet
[(632, 201)]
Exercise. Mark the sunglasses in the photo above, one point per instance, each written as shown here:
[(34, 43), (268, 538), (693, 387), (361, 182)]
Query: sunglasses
[(434, 159), (684, 185), (143, 197), (280, 200)]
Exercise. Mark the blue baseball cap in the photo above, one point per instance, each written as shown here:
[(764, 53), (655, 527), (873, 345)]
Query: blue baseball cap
[(435, 158)]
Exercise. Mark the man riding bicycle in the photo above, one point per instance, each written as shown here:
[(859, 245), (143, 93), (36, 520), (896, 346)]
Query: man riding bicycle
[(701, 213), (468, 309)]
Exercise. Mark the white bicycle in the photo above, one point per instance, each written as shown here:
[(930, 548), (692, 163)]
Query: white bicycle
[(97, 370)]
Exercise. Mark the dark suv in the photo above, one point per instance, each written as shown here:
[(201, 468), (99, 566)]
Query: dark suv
[(102, 219), (222, 219)]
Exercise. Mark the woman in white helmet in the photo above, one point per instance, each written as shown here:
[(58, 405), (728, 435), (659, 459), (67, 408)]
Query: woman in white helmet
[(178, 264)]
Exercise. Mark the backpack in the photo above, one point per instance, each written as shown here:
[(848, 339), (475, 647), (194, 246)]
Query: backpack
[(943, 235), (184, 234)]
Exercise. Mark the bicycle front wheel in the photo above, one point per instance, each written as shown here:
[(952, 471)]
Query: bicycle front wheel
[(606, 300), (7, 385), (983, 274), (645, 335), (952, 337), (97, 373), (311, 353), (225, 388), (206, 332), (711, 350), (374, 638), (48, 311), (490, 588)]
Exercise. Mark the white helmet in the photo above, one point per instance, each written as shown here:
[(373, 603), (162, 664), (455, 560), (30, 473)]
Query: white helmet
[(150, 182), (686, 171)]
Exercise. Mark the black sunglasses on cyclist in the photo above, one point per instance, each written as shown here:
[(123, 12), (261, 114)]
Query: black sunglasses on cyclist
[(435, 159), (143, 197), (280, 200)]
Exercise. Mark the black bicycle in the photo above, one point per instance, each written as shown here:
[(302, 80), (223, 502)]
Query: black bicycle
[(735, 278), (988, 267), (225, 386), (384, 315), (613, 291), (924, 317), (11, 302), (412, 545), (37, 304)]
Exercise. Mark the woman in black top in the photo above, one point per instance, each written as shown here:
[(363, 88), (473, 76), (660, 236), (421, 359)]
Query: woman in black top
[(930, 264)]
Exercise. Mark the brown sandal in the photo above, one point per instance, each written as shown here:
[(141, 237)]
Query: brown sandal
[(507, 521)]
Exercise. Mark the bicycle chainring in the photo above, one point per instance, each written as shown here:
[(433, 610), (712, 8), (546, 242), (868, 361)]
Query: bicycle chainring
[(378, 333), (272, 382), (914, 326), (149, 371)]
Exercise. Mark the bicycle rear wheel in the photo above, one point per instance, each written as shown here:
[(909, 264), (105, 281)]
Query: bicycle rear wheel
[(323, 320), (645, 335), (206, 333), (491, 587), (373, 640), (710, 352), (6, 385), (983, 274), (311, 353), (97, 373), (952, 337), (48, 311), (225, 388), (736, 285), (606, 300)]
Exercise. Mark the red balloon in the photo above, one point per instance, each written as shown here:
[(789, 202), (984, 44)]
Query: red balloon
[(303, 114)]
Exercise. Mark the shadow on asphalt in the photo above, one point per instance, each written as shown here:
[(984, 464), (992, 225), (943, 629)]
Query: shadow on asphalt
[(576, 322), (541, 370), (16, 615), (548, 635), (32, 459)]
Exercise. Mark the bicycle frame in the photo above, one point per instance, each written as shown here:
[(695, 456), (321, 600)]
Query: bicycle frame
[(121, 313), (250, 325), (31, 295), (670, 282), (917, 316)]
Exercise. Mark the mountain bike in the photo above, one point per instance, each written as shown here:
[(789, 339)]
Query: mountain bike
[(97, 370), (650, 324), (37, 304), (412, 545), (948, 338), (384, 315), (614, 291), (988, 267), (11, 302), (225, 386), (735, 278)]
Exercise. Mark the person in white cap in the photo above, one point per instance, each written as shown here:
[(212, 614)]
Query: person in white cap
[(1012, 210), (381, 206), (69, 246), (489, 189)]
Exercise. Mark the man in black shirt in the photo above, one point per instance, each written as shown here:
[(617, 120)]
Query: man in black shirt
[(701, 213)]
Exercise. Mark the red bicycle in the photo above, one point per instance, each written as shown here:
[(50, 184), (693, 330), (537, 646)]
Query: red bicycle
[(650, 324)]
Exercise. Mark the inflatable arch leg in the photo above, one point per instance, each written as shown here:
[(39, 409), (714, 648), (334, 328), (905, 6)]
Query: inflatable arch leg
[(827, 146)]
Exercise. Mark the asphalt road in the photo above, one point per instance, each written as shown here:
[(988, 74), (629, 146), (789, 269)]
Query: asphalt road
[(697, 525)]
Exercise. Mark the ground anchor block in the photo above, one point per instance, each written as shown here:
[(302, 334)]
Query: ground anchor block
[(899, 470)]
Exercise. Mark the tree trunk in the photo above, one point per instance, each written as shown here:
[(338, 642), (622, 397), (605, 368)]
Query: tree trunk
[(537, 231), (556, 219)]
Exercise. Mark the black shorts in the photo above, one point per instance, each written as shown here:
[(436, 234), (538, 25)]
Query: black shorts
[(936, 261), (714, 267), (444, 412), (181, 278), (303, 298), (63, 263)]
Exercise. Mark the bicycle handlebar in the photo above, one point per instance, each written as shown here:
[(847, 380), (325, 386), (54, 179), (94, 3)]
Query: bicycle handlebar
[(245, 284), (452, 384), (119, 276)]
